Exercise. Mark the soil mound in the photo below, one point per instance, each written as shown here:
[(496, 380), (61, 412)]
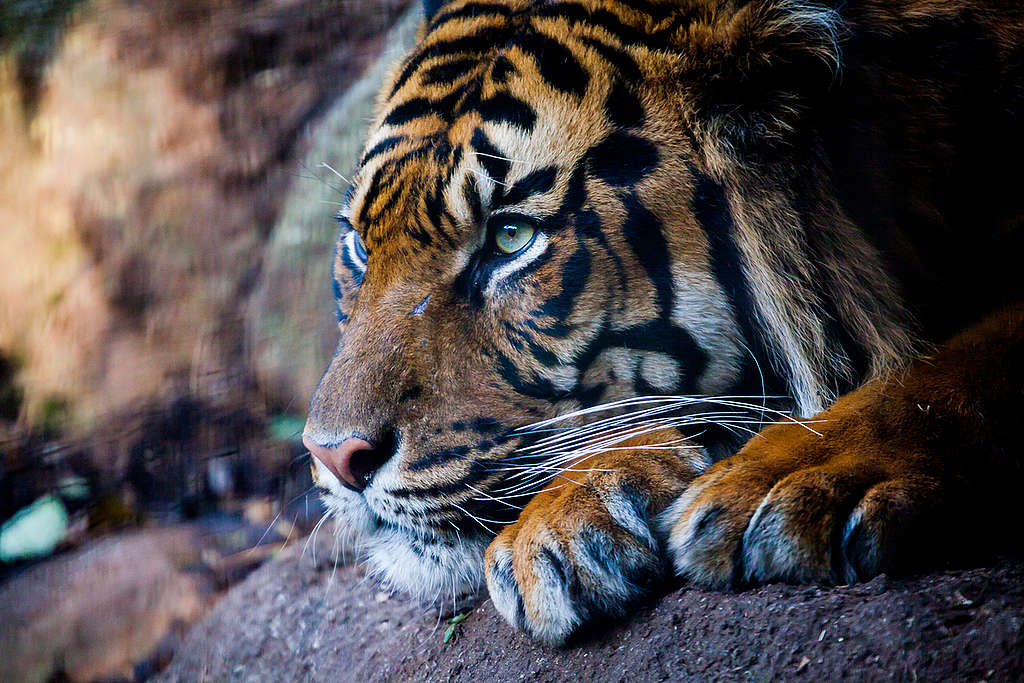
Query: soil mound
[(303, 618)]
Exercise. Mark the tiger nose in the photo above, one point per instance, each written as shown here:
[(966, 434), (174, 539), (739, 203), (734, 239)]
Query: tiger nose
[(353, 461)]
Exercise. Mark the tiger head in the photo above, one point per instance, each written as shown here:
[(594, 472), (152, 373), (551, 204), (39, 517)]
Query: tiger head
[(562, 205)]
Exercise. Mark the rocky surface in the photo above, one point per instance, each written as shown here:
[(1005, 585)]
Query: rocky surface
[(304, 618), (117, 607), (100, 611)]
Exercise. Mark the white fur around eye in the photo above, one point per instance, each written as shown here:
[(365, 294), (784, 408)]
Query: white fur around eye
[(349, 242), (540, 244)]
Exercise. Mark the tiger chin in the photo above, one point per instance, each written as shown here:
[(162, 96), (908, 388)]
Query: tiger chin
[(723, 291)]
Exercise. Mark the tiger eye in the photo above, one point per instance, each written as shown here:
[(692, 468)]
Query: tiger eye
[(512, 236)]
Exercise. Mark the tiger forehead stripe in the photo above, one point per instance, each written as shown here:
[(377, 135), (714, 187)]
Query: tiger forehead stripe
[(453, 59), (471, 10), (464, 68)]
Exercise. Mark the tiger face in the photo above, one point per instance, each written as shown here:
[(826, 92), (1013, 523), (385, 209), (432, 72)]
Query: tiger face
[(535, 227)]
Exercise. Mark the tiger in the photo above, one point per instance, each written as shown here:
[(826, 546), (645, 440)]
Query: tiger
[(723, 292)]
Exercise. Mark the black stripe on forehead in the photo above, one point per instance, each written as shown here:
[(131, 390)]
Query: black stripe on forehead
[(495, 164), (622, 159), (384, 146), (501, 69), (459, 100), (436, 206), (623, 107), (575, 13), (447, 72), (409, 110), (388, 186), (535, 182), (373, 189), (386, 180), (505, 108), (555, 62), (619, 59), (458, 57), (476, 44), (654, 10), (471, 10), (436, 210)]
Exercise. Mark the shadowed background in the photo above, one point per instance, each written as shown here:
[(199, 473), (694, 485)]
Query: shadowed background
[(168, 175)]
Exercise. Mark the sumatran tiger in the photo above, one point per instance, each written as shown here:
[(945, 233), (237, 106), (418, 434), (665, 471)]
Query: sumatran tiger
[(594, 246)]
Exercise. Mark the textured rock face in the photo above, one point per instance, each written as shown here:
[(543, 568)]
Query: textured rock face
[(100, 611), (290, 323), (142, 176), (302, 618)]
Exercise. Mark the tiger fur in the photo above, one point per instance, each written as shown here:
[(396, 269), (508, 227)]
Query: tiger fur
[(795, 203)]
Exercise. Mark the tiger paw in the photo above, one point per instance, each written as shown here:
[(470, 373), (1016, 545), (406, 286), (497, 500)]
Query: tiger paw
[(584, 549), (834, 502)]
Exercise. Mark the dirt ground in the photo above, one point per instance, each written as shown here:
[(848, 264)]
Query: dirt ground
[(300, 618)]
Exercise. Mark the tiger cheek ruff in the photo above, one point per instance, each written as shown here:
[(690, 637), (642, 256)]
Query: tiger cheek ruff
[(592, 247)]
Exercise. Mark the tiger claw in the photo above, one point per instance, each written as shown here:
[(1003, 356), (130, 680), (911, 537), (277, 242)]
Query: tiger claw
[(555, 571), (586, 550)]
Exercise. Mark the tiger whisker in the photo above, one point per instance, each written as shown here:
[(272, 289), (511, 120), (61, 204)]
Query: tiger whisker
[(324, 164), (662, 423), (312, 537), (479, 520), (589, 436), (601, 424), (586, 434), (320, 179), (757, 364), (643, 411), (533, 472), (610, 425), (497, 500), (527, 493), (731, 401), (540, 476), (498, 156), (334, 570), (281, 511), (486, 177)]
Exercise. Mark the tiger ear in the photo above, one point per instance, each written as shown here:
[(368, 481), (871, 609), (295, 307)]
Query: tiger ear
[(430, 8), (748, 74)]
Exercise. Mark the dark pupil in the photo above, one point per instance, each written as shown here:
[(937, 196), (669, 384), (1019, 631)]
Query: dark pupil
[(510, 232)]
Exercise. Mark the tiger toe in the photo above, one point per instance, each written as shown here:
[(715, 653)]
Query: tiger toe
[(587, 553), (830, 516)]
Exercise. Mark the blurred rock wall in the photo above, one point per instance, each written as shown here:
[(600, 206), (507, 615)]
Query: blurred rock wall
[(291, 322), (165, 226)]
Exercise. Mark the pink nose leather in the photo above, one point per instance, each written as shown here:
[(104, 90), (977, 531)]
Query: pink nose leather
[(338, 459)]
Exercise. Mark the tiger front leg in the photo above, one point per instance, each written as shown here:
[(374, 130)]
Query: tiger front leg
[(912, 468), (585, 547)]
